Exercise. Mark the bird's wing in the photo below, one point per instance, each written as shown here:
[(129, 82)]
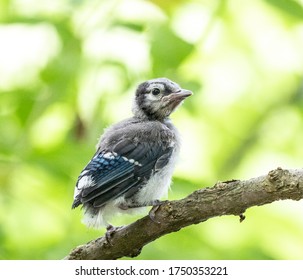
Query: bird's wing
[(111, 174)]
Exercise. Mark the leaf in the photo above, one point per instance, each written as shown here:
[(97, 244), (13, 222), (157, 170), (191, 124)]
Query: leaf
[(168, 50), (290, 7)]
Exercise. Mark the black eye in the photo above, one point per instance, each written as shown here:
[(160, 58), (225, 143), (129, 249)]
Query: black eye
[(155, 91)]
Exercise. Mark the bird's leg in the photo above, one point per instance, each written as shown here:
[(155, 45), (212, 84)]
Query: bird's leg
[(110, 231), (152, 213), (130, 205)]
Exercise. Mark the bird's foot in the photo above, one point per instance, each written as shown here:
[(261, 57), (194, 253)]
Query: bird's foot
[(152, 213), (110, 231)]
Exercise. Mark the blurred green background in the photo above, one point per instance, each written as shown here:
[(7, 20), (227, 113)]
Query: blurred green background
[(69, 68)]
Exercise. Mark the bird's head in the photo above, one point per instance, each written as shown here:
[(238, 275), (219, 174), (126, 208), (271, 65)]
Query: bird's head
[(156, 99)]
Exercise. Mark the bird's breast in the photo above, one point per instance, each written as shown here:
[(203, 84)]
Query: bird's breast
[(159, 182)]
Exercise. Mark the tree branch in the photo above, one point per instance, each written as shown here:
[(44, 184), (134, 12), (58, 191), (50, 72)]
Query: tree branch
[(224, 198)]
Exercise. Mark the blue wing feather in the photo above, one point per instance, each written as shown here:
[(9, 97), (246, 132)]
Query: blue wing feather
[(123, 170), (103, 170)]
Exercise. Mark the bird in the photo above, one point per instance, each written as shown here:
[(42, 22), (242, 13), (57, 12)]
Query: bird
[(135, 158)]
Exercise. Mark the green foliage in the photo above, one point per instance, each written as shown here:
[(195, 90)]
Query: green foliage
[(69, 68), (293, 8)]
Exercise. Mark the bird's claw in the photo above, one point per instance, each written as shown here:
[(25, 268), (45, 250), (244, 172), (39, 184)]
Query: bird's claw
[(110, 231), (152, 212)]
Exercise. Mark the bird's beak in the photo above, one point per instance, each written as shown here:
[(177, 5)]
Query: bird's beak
[(183, 93), (173, 100), (178, 96)]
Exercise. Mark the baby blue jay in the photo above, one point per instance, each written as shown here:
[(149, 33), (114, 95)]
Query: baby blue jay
[(135, 158)]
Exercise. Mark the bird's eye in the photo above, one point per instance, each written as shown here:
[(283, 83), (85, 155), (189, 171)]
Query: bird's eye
[(155, 91)]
